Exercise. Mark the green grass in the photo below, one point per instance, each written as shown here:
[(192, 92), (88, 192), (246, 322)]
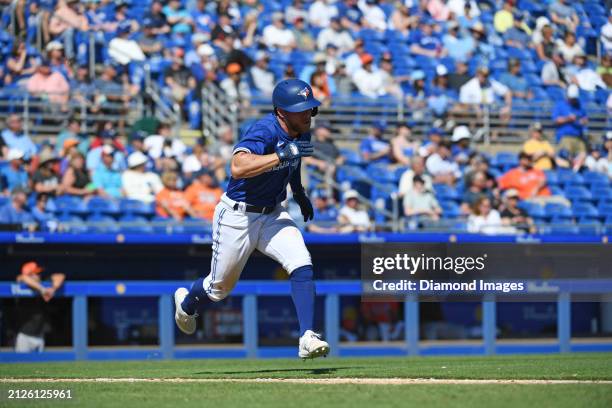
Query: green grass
[(222, 394)]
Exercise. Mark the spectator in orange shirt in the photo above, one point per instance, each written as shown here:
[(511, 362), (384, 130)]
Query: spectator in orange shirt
[(529, 182), (171, 201), (203, 195)]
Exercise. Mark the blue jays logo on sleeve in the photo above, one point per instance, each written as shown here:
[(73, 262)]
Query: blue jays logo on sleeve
[(304, 92)]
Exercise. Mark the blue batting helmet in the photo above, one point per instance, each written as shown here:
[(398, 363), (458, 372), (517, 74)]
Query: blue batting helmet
[(294, 95)]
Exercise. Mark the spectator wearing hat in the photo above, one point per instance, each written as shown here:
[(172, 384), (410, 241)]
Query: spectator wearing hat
[(353, 60), (45, 179), (435, 136), (515, 80), (420, 203), (235, 85), (595, 161), (539, 148), (76, 180), (159, 21), (342, 82), (554, 72), (277, 35), (66, 21), (368, 78), (15, 212), (461, 149), (351, 16), (459, 46), (403, 145), (295, 11), (108, 137), (374, 149), (171, 201), (263, 77), (106, 177), (110, 90), (352, 217), (14, 137), (401, 20), (203, 194), (139, 184), (123, 49), (14, 175), (426, 43), (440, 165), (164, 143), (463, 8), (303, 37), (482, 47), (441, 97), (563, 15), (391, 82), (325, 213), (514, 216), (519, 35), (605, 69), (49, 85), (570, 120), (332, 60), (32, 318), (337, 35), (202, 18), (320, 87), (417, 168), (321, 12), (82, 88), (481, 90), (148, 40)]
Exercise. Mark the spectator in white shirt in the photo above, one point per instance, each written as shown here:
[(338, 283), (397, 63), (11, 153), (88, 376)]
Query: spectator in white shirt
[(235, 86), (568, 47), (481, 90), (352, 217), (368, 78), (486, 220), (457, 7), (373, 16), (138, 184), (263, 78), (277, 35), (321, 12), (163, 144), (606, 34), (336, 35), (441, 166), (587, 78)]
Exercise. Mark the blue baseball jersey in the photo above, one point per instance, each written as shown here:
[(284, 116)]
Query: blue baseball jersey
[(269, 188)]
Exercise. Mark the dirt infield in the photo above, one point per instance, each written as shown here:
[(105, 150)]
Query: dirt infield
[(318, 381)]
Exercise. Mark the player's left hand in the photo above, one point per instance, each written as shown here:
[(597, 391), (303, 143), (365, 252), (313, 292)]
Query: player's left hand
[(305, 205)]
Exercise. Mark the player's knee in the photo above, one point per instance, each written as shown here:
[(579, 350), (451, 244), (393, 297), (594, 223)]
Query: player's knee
[(303, 273)]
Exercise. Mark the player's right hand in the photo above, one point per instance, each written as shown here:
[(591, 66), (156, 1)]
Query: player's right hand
[(294, 150)]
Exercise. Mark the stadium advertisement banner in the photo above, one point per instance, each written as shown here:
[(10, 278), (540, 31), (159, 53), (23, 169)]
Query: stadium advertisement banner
[(470, 271)]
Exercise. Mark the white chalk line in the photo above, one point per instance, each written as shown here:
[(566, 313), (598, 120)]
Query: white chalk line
[(317, 381)]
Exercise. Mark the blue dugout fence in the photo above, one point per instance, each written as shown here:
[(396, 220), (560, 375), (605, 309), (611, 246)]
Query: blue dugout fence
[(250, 290)]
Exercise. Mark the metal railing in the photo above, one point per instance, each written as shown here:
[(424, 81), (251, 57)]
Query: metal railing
[(218, 110)]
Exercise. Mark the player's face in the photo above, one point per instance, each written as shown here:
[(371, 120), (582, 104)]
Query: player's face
[(298, 122)]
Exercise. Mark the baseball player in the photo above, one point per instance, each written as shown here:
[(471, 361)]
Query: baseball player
[(250, 214)]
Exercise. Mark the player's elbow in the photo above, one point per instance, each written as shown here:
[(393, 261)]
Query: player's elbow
[(237, 170)]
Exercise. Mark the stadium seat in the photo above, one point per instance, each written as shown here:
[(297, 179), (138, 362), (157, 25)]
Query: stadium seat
[(585, 211), (100, 205), (552, 179), (446, 192), (450, 209), (595, 178), (557, 211), (135, 224), (102, 224), (569, 178), (135, 207), (574, 194), (505, 159)]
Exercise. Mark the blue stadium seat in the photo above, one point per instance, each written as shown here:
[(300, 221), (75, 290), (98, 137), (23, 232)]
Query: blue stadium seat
[(67, 204), (505, 159), (574, 193), (135, 207), (446, 192), (534, 210), (450, 209), (380, 173), (97, 223), (350, 173), (100, 205), (569, 178), (585, 211), (595, 178), (552, 179), (605, 209), (352, 157), (557, 211)]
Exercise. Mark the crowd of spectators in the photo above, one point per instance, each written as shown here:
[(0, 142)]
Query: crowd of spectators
[(437, 56)]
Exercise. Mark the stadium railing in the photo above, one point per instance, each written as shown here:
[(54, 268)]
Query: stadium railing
[(251, 290)]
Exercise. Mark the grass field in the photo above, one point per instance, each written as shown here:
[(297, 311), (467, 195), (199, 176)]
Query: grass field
[(372, 382)]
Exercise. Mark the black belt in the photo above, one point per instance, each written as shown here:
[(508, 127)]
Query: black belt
[(255, 209)]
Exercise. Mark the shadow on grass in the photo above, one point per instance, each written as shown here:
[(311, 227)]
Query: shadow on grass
[(305, 370)]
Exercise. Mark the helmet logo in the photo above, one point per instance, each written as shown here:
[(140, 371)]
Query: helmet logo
[(304, 92)]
